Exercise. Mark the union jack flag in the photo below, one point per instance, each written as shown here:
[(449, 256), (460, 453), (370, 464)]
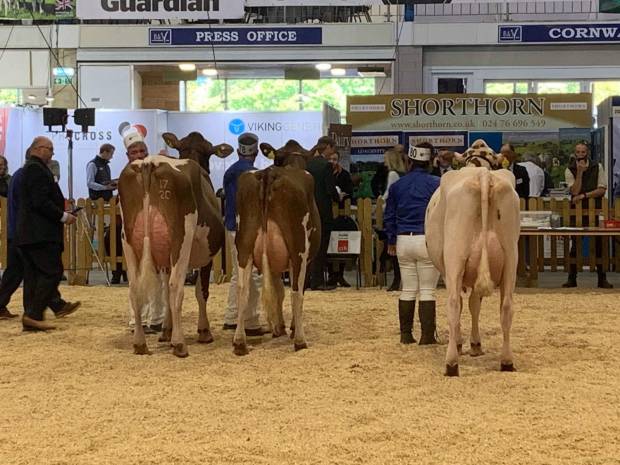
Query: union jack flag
[(64, 5)]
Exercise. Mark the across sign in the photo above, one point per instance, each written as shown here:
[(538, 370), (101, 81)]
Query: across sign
[(236, 36), (559, 33)]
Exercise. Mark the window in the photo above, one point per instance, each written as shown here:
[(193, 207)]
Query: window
[(603, 89), (564, 87), (505, 87), (9, 97), (207, 94)]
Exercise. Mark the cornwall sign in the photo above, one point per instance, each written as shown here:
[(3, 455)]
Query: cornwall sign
[(559, 33)]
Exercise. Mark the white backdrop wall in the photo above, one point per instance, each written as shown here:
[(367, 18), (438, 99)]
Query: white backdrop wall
[(275, 128)]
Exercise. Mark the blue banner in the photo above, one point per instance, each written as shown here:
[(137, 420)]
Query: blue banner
[(167, 36), (559, 33)]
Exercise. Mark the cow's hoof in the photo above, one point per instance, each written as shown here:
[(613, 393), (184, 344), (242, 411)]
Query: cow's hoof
[(141, 349), (507, 367), (278, 331), (166, 335), (205, 336), (240, 348), (459, 348), (180, 350), (476, 350), (452, 370), (300, 346)]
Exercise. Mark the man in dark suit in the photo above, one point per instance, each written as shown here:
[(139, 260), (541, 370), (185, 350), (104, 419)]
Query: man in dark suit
[(522, 179), (40, 235), (324, 194)]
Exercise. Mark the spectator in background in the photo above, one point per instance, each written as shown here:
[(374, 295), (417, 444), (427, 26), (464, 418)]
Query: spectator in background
[(535, 173), (522, 180), (324, 194), (98, 175), (394, 161), (442, 163), (5, 177), (586, 180), (344, 186)]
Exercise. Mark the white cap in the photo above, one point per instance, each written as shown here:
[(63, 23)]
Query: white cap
[(245, 148), (131, 133), (420, 153)]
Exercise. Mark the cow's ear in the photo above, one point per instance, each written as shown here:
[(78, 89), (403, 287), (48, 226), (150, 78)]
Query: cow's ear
[(171, 140), (267, 150), (223, 150)]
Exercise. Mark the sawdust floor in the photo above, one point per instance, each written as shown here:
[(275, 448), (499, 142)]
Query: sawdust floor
[(79, 395)]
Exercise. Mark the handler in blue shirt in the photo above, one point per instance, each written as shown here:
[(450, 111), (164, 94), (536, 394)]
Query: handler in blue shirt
[(404, 225), (247, 151)]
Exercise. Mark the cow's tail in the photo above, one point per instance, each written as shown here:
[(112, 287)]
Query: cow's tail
[(268, 296), (147, 280), (484, 284)]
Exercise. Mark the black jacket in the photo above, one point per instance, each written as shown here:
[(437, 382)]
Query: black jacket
[(41, 206), (522, 180), (324, 187)]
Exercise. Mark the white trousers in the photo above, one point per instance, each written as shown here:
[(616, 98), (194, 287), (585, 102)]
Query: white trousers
[(230, 317), (418, 274), (154, 311)]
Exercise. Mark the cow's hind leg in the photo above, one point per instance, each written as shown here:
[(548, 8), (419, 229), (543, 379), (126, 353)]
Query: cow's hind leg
[(244, 281), (202, 295), (475, 302), (278, 325), (139, 340), (297, 302), (177, 287), (506, 312), (166, 332), (454, 305)]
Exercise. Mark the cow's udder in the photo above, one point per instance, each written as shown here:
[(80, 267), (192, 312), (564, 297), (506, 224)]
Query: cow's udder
[(160, 238)]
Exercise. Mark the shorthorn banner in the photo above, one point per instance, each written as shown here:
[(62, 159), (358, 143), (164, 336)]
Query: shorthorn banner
[(469, 112)]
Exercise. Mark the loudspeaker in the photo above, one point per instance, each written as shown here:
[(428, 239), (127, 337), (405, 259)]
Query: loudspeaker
[(84, 117), (55, 117)]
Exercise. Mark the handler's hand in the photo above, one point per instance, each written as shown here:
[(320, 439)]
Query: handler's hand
[(392, 250), (71, 219)]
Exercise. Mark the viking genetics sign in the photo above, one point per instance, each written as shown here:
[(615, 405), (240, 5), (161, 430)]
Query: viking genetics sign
[(469, 112), (160, 9), (559, 33)]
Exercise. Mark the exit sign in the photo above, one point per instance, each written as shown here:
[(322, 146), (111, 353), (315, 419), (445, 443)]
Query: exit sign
[(62, 81)]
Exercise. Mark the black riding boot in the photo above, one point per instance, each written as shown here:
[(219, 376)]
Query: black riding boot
[(602, 278), (395, 286), (406, 310), (427, 322)]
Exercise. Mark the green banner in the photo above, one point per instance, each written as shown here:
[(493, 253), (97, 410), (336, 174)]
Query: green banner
[(41, 9), (609, 6)]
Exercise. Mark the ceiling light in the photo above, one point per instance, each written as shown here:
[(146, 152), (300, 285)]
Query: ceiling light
[(323, 66), (371, 71), (187, 66), (209, 72), (32, 97), (338, 72), (49, 98)]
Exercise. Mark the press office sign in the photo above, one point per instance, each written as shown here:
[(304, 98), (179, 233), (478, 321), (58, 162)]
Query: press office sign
[(160, 9), (559, 33), (235, 36)]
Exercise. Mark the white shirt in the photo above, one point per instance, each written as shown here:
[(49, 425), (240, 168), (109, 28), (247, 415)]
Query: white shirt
[(393, 176), (537, 178)]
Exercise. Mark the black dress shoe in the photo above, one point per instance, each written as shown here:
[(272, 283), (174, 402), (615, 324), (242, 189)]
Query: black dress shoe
[(256, 331), (343, 283), (156, 328), (570, 283), (229, 326), (68, 308), (116, 279), (605, 284), (323, 287), (5, 314)]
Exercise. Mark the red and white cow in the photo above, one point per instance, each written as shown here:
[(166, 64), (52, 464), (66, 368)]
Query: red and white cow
[(278, 230), (171, 221), (472, 233)]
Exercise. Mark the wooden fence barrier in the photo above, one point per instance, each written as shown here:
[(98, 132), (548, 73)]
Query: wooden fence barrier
[(98, 220)]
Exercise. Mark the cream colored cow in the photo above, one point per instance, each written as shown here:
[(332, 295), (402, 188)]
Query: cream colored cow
[(472, 232)]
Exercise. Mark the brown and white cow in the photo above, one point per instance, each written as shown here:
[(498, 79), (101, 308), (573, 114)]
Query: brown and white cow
[(472, 233), (278, 230), (171, 221)]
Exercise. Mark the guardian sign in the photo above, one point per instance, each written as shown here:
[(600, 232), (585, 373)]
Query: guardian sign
[(559, 33), (160, 9)]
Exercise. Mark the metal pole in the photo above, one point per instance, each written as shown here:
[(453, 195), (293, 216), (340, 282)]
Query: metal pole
[(72, 235)]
